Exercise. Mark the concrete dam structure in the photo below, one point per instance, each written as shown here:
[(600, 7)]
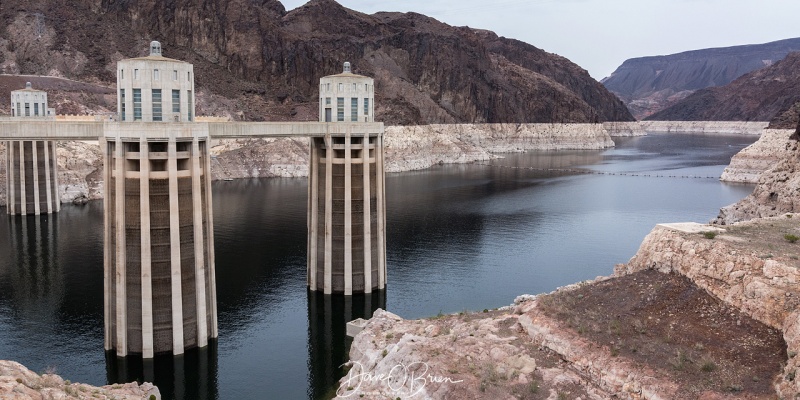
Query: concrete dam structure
[(159, 273)]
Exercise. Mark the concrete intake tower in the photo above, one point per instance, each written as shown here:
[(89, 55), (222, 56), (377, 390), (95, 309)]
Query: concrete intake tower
[(160, 294), (32, 182), (347, 202)]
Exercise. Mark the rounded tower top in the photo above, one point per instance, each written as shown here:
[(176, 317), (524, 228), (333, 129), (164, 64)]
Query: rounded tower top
[(346, 97), (155, 48), (28, 85), (155, 88)]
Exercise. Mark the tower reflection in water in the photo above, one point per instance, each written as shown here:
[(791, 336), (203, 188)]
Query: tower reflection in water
[(328, 344), (37, 280), (192, 375)]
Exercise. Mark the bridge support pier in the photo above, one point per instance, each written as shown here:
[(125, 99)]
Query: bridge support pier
[(160, 294), (347, 214), (32, 180)]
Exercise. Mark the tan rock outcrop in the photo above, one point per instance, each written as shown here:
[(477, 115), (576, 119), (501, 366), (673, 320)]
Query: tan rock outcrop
[(748, 165), (730, 267), (20, 383)]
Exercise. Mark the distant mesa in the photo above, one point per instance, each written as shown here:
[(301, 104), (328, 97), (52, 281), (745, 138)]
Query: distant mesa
[(648, 85), (769, 94)]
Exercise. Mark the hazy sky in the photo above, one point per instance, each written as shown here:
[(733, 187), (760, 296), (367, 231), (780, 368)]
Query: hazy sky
[(599, 35)]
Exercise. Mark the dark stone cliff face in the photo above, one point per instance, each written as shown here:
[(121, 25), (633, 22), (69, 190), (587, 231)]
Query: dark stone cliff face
[(256, 61), (650, 84), (769, 94)]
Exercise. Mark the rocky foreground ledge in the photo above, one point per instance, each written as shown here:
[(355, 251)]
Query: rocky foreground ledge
[(694, 315), (20, 383)]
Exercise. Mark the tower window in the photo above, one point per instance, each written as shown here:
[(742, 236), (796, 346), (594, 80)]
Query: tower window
[(18, 109), (137, 104), (341, 87), (174, 74), (366, 107), (136, 73), (176, 101), (122, 104), (36, 109), (327, 101), (156, 75), (27, 109), (121, 74), (354, 109), (355, 87), (157, 104), (340, 108), (189, 102)]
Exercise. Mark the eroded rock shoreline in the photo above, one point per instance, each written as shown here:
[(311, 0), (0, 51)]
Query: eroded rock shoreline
[(636, 334)]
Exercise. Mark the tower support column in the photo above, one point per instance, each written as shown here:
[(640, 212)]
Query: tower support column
[(346, 214), (159, 248), (32, 180)]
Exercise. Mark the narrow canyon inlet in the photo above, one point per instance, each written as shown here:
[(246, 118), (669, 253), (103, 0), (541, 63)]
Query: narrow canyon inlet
[(459, 237)]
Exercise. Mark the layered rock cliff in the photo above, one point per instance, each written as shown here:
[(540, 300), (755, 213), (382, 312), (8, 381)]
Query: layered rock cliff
[(752, 161), (762, 95), (256, 61), (650, 84), (777, 192), (20, 383)]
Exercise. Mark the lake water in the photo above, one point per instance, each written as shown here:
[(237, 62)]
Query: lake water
[(459, 237)]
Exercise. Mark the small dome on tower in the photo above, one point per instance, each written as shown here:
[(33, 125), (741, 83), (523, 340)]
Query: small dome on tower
[(347, 69), (27, 85), (155, 48)]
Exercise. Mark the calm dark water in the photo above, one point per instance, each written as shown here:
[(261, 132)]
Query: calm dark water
[(460, 237)]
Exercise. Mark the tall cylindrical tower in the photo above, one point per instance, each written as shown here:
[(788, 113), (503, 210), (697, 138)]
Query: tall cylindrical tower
[(346, 221), (159, 254), (31, 165)]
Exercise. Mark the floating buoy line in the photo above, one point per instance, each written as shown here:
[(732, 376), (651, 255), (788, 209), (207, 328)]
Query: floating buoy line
[(590, 172)]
